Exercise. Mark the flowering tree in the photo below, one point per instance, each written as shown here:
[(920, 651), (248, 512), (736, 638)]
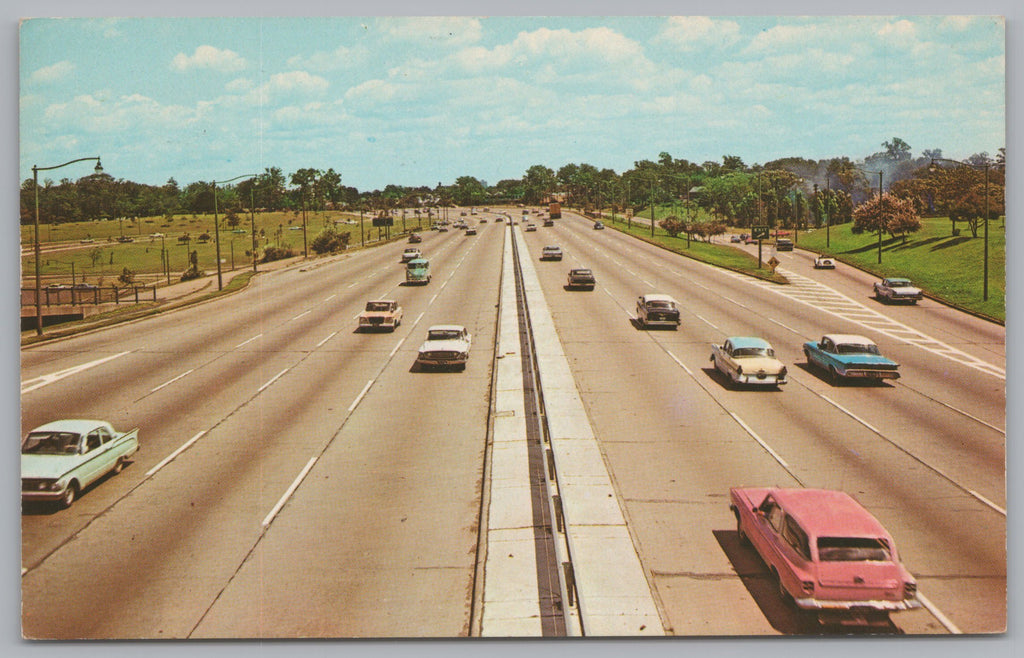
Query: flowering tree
[(894, 215)]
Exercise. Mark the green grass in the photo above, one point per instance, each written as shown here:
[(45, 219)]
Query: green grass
[(143, 256), (946, 266), (719, 255)]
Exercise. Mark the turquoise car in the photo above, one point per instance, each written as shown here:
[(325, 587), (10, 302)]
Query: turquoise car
[(417, 271), (848, 356)]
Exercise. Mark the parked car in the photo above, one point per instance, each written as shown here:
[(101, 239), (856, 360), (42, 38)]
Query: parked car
[(60, 459), (411, 253), (380, 314), (897, 289), (446, 345), (783, 244), (598, 226), (655, 310), (824, 263), (415, 238), (551, 252), (748, 360), (581, 277), (828, 554), (850, 356)]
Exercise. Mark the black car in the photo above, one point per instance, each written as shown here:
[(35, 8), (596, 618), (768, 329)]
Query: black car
[(783, 244)]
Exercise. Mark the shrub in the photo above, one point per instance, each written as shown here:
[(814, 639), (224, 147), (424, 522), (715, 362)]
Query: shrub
[(330, 241), (276, 253)]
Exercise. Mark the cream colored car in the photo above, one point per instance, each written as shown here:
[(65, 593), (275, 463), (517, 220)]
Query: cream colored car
[(747, 360)]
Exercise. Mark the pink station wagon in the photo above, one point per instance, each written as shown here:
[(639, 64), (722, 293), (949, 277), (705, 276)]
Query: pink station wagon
[(829, 554)]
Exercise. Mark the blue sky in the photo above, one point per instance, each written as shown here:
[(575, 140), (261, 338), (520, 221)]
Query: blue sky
[(417, 101)]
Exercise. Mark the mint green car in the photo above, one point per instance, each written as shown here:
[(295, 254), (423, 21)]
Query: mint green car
[(417, 271)]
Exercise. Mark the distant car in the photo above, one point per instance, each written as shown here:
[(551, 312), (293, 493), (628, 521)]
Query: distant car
[(549, 222), (748, 360), (581, 277), (411, 253), (446, 345), (530, 227), (483, 220), (783, 244), (897, 289), (598, 226), (655, 310), (824, 263), (443, 228), (827, 553), (471, 230), (415, 238), (85, 286), (735, 238), (60, 459), (551, 252), (848, 356), (58, 286), (463, 213), (750, 240), (381, 314), (125, 238)]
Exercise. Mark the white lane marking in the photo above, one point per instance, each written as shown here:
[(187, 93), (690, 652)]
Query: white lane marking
[(647, 282), (940, 472), (396, 348), (169, 458), (274, 379), (787, 327), (171, 381), (764, 445), (359, 398), (433, 298), (943, 619), (987, 501), (301, 314), (680, 363), (288, 494), (330, 298), (418, 318), (351, 284), (321, 343), (246, 342), (708, 322), (39, 382)]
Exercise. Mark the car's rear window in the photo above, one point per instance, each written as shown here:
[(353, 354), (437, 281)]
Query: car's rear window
[(852, 348), (853, 549)]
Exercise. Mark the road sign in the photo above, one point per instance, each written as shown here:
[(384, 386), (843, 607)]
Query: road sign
[(773, 262), (384, 221), (760, 232)]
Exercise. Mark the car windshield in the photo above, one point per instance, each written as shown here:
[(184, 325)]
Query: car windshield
[(378, 306), (753, 351), (417, 265), (444, 334), (899, 283), (854, 348), (853, 549), (50, 443)]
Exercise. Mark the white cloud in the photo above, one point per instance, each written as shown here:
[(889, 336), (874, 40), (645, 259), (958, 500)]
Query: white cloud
[(54, 73), (209, 57), (340, 58), (437, 30), (958, 23), (693, 32)]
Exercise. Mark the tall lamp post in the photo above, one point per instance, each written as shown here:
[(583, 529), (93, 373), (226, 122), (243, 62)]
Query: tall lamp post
[(880, 225), (986, 166), (35, 186), (216, 225)]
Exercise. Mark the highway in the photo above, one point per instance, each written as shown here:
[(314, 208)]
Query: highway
[(298, 479)]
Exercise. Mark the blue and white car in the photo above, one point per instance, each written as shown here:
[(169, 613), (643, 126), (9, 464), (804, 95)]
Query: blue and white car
[(849, 356)]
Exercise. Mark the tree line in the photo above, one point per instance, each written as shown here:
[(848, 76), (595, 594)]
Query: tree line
[(793, 191)]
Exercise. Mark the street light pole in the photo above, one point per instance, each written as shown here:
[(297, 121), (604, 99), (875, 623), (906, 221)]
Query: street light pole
[(986, 165), (38, 250), (216, 225)]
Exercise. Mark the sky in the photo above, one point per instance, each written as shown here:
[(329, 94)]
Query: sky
[(422, 101)]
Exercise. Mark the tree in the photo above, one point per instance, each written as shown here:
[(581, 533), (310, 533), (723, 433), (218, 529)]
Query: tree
[(672, 225), (897, 150), (894, 215), (330, 241)]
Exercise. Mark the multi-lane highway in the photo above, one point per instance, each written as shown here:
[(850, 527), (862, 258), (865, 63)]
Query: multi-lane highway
[(299, 479)]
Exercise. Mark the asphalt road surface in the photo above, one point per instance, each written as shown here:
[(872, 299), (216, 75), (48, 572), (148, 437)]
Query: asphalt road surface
[(299, 479)]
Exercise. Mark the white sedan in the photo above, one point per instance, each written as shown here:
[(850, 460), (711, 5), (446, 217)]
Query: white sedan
[(446, 345)]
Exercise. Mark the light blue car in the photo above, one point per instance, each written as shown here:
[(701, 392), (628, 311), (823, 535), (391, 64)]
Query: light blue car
[(848, 356)]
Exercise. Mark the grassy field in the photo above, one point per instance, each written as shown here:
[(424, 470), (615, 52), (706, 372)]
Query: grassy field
[(103, 259), (719, 254), (946, 266)]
